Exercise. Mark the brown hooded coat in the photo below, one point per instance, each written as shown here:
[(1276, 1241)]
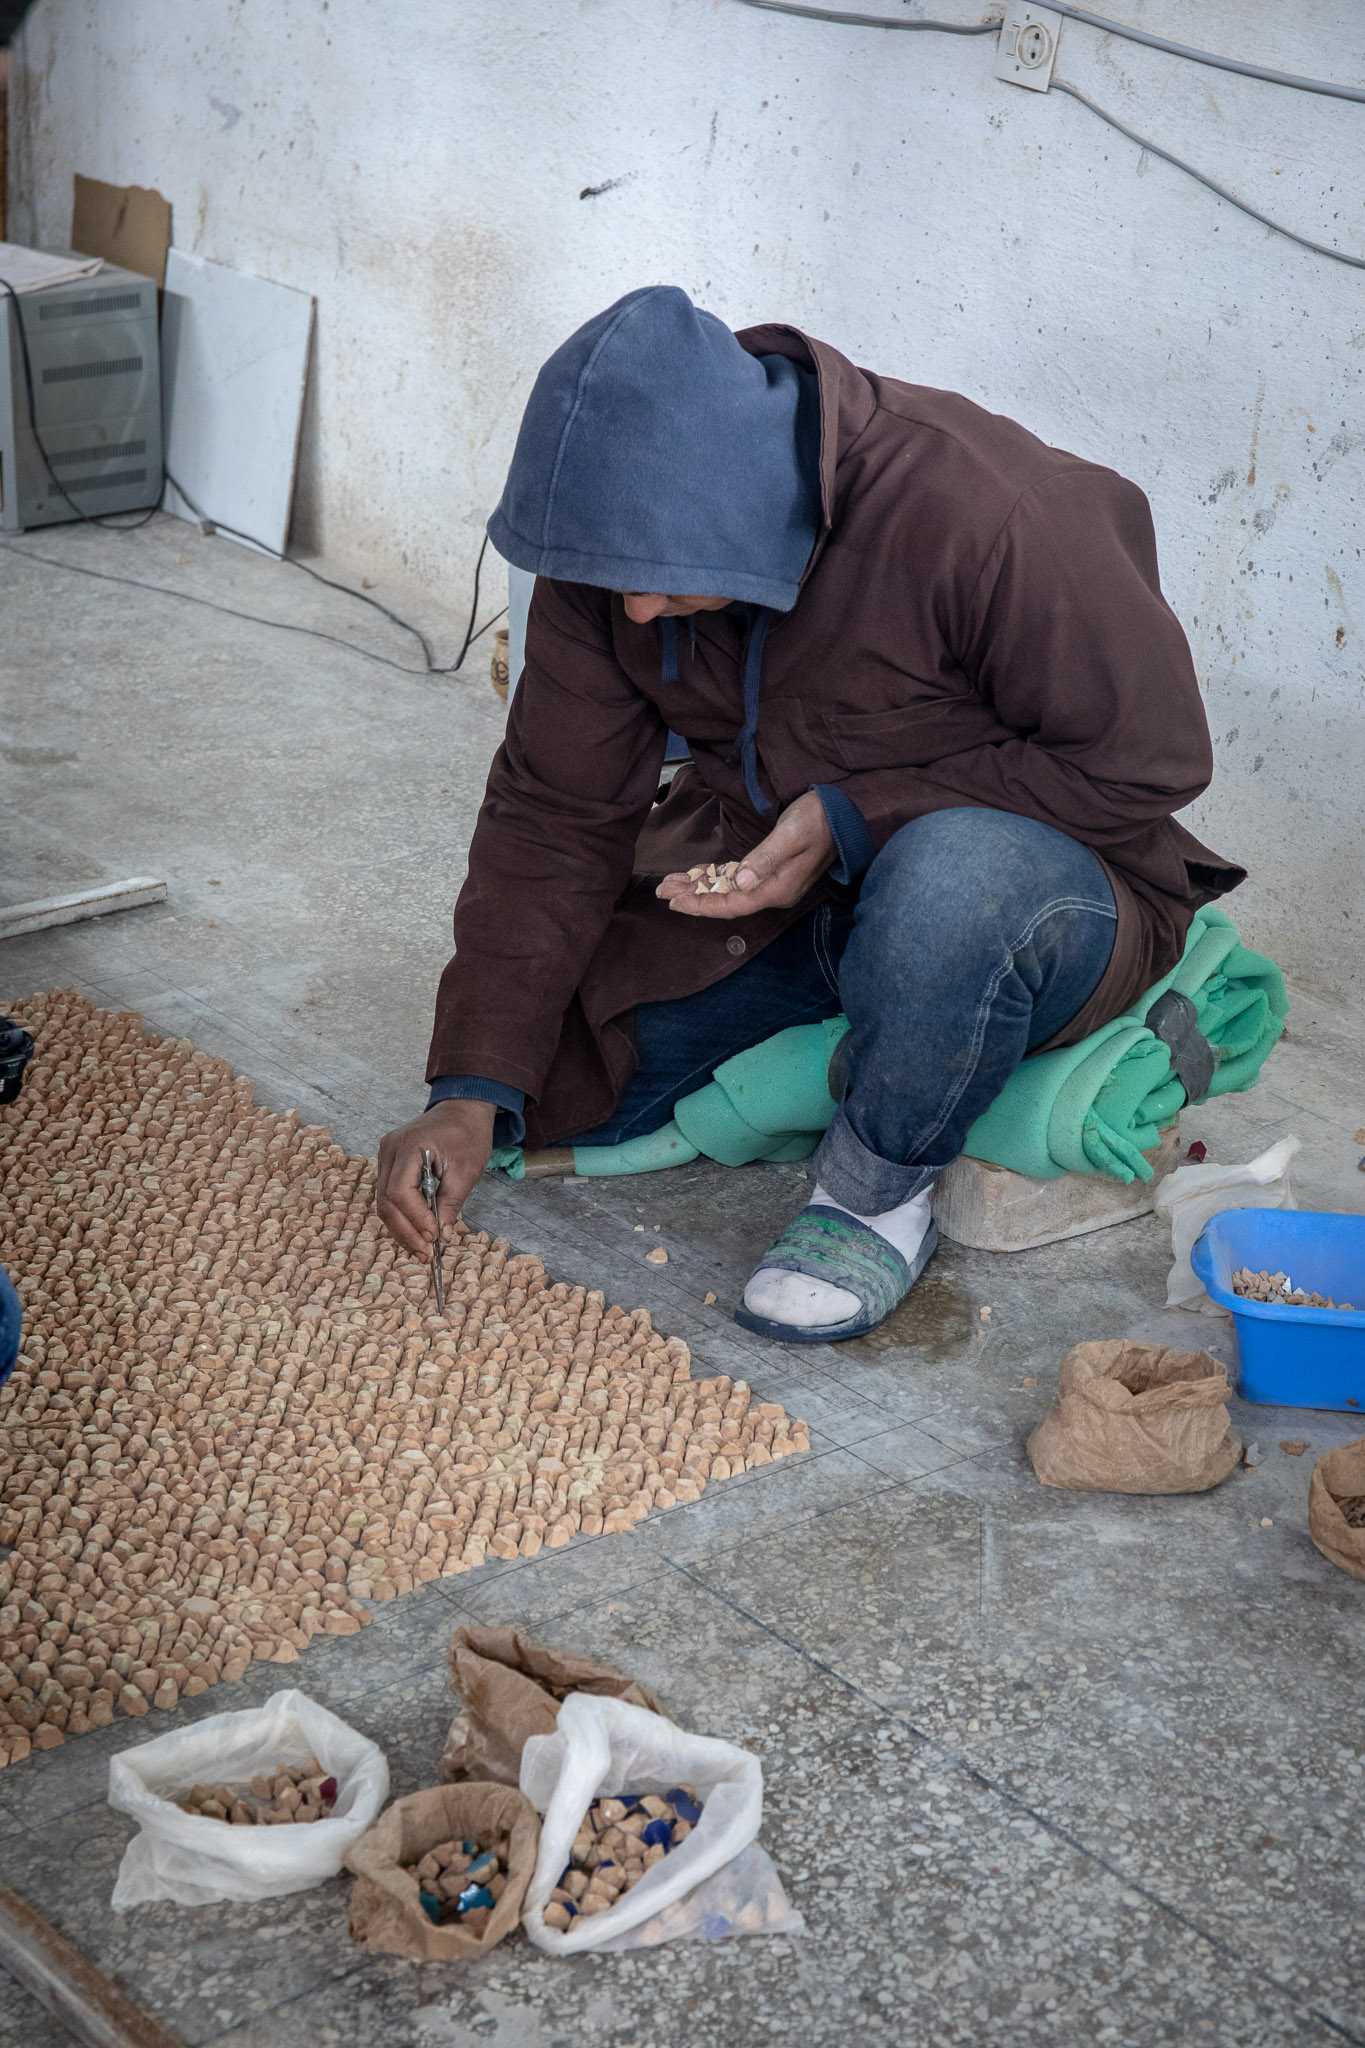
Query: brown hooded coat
[(981, 623)]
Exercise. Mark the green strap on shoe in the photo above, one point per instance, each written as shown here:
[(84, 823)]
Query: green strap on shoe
[(827, 1245)]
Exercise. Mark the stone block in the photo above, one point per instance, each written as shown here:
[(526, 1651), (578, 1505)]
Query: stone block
[(994, 1209)]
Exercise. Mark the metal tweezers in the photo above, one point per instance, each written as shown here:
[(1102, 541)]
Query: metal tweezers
[(430, 1185)]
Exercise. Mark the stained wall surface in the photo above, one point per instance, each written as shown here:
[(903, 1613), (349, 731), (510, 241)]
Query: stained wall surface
[(459, 185)]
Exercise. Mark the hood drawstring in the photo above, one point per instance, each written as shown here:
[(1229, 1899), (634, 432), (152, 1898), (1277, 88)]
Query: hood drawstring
[(747, 743), (748, 739), (668, 633)]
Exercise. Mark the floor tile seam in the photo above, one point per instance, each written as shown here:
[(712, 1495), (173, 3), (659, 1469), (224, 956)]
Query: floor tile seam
[(584, 1598), (991, 1449), (667, 1517), (1014, 1800), (841, 1382), (742, 1340), (510, 1577), (333, 1977), (205, 1006), (894, 1482), (207, 1000), (446, 1590), (738, 1537), (580, 1547), (558, 1241), (93, 989)]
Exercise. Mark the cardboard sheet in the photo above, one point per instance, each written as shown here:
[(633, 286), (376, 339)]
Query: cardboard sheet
[(125, 224)]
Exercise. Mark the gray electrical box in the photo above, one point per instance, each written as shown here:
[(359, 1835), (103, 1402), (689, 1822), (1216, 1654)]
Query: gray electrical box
[(93, 350)]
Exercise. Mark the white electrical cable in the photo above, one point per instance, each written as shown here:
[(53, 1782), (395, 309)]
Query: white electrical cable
[(1346, 92), (1142, 35), (1143, 142), (946, 28), (1099, 21)]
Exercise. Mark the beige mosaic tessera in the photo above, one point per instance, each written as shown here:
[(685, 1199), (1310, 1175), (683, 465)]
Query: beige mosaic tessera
[(237, 1417)]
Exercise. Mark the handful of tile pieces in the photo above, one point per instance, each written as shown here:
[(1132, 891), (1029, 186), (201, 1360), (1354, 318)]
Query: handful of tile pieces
[(297, 1792), (620, 1840), (1278, 1290), (713, 879), (461, 1881)]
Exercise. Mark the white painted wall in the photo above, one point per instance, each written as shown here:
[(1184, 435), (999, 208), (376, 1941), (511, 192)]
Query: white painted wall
[(420, 169)]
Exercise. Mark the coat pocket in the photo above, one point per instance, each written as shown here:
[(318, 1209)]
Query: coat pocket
[(872, 739), (908, 735)]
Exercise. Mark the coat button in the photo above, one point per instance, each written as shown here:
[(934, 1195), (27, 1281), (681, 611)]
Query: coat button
[(734, 944)]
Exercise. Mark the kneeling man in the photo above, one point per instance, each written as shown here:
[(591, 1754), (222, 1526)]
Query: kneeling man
[(936, 707)]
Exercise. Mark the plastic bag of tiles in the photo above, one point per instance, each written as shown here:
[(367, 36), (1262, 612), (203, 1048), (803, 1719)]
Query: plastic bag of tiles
[(716, 1882), (197, 1861)]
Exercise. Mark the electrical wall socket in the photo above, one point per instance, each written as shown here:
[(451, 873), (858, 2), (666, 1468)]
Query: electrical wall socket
[(1027, 46)]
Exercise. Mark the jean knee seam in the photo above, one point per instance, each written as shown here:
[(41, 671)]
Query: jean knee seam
[(1059, 903)]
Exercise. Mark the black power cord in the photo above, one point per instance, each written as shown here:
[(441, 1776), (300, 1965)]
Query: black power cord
[(433, 667), (229, 611), (430, 667)]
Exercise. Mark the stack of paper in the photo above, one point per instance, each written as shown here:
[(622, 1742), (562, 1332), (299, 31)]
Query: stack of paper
[(30, 270)]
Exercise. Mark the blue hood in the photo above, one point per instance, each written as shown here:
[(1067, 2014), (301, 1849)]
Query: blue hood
[(657, 454)]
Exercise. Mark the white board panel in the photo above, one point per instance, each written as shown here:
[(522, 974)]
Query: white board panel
[(234, 359)]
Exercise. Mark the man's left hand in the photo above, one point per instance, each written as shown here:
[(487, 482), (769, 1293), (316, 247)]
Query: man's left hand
[(777, 874)]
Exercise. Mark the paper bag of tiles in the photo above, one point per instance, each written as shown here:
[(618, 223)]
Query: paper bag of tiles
[(196, 1860), (1136, 1418), (510, 1688), (717, 1881), (403, 1907), (1336, 1506)]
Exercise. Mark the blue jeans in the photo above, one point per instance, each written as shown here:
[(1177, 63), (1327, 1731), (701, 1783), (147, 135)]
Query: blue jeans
[(976, 937), (11, 1326)]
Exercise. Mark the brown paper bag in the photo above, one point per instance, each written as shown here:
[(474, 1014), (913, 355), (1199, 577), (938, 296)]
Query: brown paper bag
[(386, 1912), (510, 1688), (1136, 1418), (1338, 1476)]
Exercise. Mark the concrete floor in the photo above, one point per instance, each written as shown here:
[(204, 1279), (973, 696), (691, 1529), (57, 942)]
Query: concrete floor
[(1041, 1767)]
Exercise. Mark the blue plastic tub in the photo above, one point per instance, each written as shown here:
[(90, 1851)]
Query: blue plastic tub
[(1292, 1357)]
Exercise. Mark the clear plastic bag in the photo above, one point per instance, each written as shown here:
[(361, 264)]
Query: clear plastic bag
[(195, 1861), (717, 1882), (1189, 1196)]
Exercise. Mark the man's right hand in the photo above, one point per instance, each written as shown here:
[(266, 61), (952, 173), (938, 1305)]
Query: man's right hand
[(459, 1137)]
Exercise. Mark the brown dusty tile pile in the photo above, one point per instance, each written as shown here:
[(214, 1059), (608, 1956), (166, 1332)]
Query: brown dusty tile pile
[(294, 1793), (236, 1414), (1278, 1290)]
